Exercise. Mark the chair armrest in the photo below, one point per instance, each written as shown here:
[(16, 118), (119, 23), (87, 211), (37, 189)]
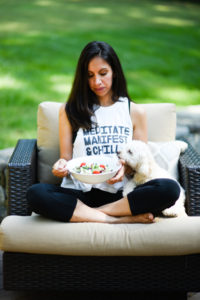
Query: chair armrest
[(21, 175), (189, 171)]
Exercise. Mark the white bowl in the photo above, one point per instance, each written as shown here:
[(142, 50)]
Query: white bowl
[(112, 162)]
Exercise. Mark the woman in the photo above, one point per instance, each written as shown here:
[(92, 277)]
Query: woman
[(97, 120)]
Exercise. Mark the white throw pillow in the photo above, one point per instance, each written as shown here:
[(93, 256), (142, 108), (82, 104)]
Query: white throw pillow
[(166, 154)]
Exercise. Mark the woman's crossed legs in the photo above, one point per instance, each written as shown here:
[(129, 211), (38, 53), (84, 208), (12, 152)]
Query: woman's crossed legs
[(139, 206)]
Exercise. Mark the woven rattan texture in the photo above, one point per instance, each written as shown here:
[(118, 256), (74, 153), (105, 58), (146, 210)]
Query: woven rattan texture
[(189, 170), (21, 174), (83, 273)]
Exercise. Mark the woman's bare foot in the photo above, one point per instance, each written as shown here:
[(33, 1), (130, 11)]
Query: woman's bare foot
[(142, 218), (84, 213)]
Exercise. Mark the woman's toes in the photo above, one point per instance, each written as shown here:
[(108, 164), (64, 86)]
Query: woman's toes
[(151, 217)]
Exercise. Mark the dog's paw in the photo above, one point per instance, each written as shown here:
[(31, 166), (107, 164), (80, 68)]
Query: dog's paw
[(156, 220), (168, 212), (174, 212)]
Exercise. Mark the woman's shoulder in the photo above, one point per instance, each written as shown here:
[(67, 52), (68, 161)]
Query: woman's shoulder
[(62, 107), (62, 111), (137, 108)]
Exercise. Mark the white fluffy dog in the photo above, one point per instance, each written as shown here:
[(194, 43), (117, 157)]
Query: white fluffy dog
[(138, 156)]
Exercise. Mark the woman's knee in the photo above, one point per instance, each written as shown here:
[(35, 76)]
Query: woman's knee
[(35, 192), (169, 189), (31, 192)]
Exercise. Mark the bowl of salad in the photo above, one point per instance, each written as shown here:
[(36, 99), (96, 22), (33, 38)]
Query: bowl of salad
[(93, 169)]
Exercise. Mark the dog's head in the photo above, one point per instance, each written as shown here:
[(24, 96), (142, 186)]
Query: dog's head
[(137, 155)]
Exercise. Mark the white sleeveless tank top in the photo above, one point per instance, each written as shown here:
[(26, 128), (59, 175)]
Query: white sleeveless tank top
[(114, 129)]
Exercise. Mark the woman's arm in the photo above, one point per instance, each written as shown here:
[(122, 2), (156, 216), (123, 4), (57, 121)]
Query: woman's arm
[(65, 135), (139, 121), (65, 139)]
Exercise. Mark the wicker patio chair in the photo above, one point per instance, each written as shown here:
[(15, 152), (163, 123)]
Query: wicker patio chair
[(28, 271)]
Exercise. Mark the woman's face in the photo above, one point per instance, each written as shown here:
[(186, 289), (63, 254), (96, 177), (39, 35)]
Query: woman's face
[(100, 77)]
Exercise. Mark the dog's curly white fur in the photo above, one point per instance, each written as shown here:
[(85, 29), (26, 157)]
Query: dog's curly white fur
[(138, 156)]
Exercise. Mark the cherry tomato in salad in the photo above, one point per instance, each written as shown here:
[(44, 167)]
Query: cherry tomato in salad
[(82, 164), (102, 166), (96, 172)]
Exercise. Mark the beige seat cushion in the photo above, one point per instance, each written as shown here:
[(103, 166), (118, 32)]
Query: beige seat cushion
[(35, 234), (161, 118)]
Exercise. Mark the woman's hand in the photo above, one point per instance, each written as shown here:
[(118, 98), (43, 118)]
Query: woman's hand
[(60, 168), (120, 174)]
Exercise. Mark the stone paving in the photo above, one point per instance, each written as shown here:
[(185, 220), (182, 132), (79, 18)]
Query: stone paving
[(4, 158)]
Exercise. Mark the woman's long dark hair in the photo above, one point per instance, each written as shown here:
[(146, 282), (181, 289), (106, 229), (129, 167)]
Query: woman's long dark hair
[(79, 107)]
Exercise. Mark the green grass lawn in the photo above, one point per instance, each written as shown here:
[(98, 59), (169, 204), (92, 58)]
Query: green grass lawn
[(158, 43)]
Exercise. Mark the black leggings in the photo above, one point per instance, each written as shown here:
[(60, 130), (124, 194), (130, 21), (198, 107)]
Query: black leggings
[(58, 203)]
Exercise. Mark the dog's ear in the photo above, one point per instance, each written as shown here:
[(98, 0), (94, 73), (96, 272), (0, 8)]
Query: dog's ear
[(144, 169), (145, 166), (143, 172)]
